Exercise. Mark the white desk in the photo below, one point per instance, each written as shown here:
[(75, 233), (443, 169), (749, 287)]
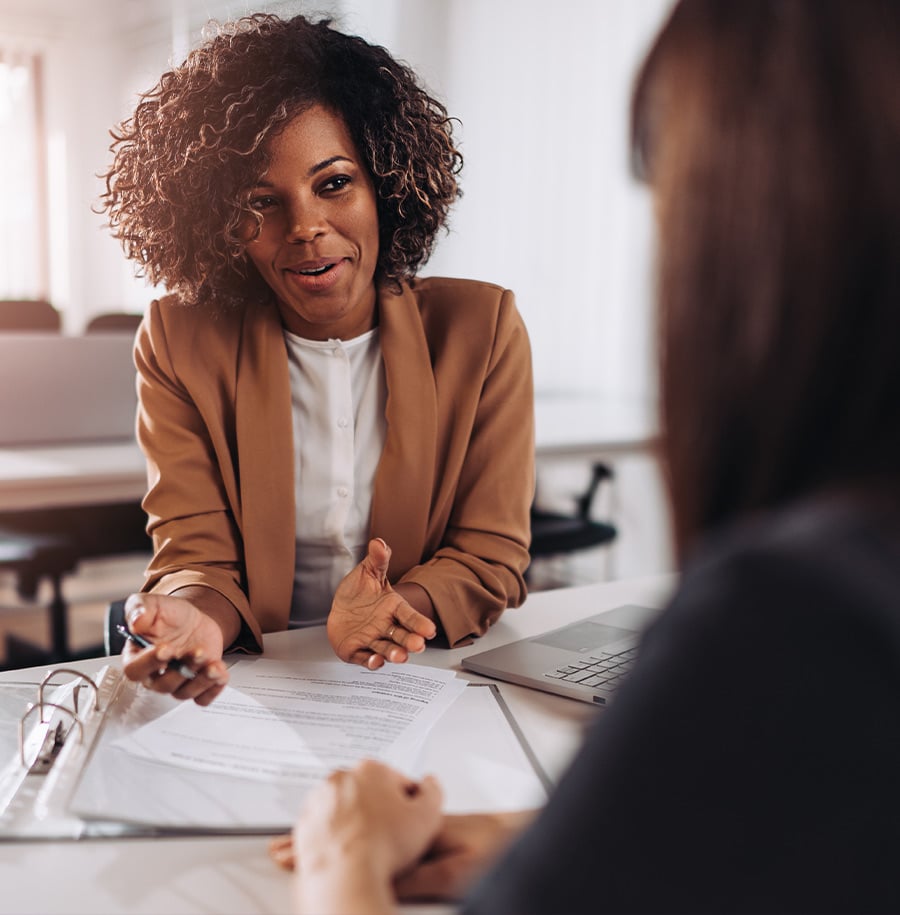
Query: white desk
[(592, 425), (98, 473), (59, 476), (234, 874)]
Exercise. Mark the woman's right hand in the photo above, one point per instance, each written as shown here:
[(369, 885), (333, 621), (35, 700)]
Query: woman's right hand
[(178, 629)]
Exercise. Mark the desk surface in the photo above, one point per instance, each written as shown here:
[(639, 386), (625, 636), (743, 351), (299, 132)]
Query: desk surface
[(96, 473), (234, 874), (592, 425), (58, 476)]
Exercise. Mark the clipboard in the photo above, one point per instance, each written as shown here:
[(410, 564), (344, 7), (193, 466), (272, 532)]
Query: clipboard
[(88, 788)]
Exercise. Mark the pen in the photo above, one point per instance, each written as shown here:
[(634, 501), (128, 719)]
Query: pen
[(172, 664)]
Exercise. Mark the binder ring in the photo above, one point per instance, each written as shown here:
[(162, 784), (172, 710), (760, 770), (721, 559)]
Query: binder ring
[(75, 673)]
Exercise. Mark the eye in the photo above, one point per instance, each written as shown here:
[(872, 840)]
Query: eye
[(262, 203), (337, 183)]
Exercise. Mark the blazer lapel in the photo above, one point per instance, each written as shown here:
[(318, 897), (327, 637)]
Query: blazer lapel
[(266, 453), (404, 481)]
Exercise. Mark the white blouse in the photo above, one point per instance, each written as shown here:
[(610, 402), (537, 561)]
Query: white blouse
[(338, 395)]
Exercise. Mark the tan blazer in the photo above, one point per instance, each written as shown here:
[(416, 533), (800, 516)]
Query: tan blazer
[(454, 484)]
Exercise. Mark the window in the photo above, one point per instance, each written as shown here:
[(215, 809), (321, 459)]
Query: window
[(23, 226)]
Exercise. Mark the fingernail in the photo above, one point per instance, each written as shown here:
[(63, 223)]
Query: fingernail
[(214, 673), (382, 542), (134, 613), (198, 656), (164, 653)]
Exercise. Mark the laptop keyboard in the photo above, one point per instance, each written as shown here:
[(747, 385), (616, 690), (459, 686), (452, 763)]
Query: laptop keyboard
[(602, 670)]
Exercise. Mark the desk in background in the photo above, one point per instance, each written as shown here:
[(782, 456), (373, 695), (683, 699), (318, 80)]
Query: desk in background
[(572, 425), (90, 473), (87, 498), (62, 476), (233, 874)]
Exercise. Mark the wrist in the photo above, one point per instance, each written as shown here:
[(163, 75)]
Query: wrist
[(417, 597), (220, 611), (353, 882)]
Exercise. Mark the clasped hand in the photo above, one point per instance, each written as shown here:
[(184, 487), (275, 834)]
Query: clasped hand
[(369, 622), (370, 834)]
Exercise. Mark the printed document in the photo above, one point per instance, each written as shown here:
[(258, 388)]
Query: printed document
[(279, 721)]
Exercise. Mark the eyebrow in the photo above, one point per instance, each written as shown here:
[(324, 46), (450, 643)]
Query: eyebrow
[(318, 167)]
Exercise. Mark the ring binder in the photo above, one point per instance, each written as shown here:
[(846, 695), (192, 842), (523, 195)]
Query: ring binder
[(36, 785), (47, 748)]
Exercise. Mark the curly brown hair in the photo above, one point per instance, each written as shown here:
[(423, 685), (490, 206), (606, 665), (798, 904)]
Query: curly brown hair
[(176, 191)]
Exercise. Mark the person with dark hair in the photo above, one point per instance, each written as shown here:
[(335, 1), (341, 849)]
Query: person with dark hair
[(330, 439), (749, 763)]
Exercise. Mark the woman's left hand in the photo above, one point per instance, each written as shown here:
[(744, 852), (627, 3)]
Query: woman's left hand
[(358, 830), (369, 622)]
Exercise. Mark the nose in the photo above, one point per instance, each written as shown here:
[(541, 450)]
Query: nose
[(305, 221)]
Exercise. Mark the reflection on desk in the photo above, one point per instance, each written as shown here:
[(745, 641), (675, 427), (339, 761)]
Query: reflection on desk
[(234, 875)]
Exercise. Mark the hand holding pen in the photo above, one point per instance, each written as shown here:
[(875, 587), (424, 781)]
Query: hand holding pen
[(178, 664), (173, 647)]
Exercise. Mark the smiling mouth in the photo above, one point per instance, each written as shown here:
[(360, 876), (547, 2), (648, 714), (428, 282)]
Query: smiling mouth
[(313, 271), (317, 267)]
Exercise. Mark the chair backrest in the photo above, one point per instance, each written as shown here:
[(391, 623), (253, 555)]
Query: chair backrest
[(28, 315), (113, 640), (114, 321)]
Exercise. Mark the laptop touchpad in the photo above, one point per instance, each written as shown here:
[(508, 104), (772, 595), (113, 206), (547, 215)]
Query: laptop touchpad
[(585, 636)]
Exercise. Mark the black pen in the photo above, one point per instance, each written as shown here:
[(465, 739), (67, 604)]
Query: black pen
[(172, 663)]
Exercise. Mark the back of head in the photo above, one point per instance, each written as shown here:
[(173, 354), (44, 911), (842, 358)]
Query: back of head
[(771, 134)]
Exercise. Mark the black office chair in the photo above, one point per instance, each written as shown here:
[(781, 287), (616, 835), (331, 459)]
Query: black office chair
[(114, 321), (555, 533), (28, 315), (113, 640)]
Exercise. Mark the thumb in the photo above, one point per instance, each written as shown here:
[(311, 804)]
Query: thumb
[(378, 558), (431, 792)]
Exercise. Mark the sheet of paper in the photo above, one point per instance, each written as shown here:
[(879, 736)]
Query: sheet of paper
[(278, 721), (474, 749)]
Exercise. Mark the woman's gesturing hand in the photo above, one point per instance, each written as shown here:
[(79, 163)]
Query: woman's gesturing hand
[(369, 622), (177, 629)]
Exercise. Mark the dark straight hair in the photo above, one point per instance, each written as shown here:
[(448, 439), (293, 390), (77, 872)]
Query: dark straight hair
[(770, 131)]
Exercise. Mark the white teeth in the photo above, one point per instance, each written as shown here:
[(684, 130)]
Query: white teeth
[(316, 271)]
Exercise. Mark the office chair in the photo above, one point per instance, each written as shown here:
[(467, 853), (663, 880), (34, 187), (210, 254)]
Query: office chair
[(556, 533), (113, 321), (33, 557), (113, 640), (28, 315)]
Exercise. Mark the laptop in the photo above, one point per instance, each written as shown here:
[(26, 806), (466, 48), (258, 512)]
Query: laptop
[(586, 660), (57, 390)]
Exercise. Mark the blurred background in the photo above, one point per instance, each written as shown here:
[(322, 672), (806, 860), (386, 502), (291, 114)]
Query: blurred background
[(550, 210)]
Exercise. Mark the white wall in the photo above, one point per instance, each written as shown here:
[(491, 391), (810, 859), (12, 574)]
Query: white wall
[(549, 208)]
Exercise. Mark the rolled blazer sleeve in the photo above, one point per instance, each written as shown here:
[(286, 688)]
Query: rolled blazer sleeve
[(192, 491)]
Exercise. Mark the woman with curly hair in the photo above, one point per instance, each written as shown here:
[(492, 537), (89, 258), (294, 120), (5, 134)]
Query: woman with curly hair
[(329, 439)]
